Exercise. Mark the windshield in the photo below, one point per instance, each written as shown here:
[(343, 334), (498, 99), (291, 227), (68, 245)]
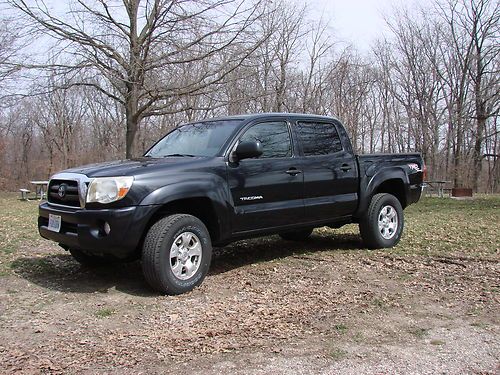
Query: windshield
[(198, 139)]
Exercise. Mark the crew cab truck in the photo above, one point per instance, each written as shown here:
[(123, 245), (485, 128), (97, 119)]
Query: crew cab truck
[(216, 181)]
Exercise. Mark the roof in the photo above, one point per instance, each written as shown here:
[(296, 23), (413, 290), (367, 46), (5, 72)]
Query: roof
[(256, 116)]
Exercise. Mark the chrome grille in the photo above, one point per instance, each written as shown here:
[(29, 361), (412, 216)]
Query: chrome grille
[(70, 197)]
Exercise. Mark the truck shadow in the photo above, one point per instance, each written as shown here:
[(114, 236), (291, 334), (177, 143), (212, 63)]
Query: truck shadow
[(59, 272), (265, 249)]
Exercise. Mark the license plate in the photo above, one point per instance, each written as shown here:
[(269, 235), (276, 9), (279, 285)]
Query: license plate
[(54, 223)]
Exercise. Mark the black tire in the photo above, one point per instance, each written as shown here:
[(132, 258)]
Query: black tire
[(89, 260), (372, 236), (156, 261), (298, 235)]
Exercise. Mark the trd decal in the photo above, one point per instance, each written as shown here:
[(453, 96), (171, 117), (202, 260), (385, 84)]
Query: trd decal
[(414, 167)]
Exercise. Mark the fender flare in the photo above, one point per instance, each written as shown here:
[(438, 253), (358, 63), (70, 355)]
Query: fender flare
[(372, 182), (212, 188)]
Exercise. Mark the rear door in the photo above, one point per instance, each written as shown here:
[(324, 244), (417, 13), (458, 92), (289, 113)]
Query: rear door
[(267, 191), (330, 171)]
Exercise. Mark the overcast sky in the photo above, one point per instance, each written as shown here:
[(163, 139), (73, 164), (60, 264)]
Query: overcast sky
[(358, 22)]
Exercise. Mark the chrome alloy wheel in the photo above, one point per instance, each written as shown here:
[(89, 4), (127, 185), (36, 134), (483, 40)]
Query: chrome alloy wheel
[(185, 255), (388, 222)]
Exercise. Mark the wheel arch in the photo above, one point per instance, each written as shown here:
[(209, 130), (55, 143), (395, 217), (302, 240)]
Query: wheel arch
[(394, 186), (388, 180), (204, 196), (201, 207)]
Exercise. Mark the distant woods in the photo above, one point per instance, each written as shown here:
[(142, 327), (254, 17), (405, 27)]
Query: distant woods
[(103, 80)]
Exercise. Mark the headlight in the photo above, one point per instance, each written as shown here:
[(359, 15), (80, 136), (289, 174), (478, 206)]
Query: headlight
[(108, 189)]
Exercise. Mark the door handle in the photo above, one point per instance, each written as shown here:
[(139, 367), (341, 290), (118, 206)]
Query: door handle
[(345, 167), (293, 171)]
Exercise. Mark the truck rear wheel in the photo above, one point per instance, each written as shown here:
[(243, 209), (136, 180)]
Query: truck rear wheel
[(176, 254), (298, 235), (383, 224)]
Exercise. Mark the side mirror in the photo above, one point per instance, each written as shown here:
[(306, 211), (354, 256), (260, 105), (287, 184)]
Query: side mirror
[(247, 150)]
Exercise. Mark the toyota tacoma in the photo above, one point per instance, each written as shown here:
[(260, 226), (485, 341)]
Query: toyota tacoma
[(216, 181)]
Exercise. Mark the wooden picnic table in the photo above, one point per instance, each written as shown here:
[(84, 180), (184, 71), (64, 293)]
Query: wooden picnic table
[(40, 188), (438, 186)]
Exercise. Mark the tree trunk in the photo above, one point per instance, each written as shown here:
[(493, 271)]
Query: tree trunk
[(132, 119), (132, 98), (478, 146), (481, 116), (132, 126), (457, 160)]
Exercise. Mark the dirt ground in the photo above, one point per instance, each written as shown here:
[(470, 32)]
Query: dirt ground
[(328, 306)]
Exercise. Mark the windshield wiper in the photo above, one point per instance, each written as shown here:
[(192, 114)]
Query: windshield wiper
[(173, 155)]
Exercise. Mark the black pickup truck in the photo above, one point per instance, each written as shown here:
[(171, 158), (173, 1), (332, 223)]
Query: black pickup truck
[(216, 181)]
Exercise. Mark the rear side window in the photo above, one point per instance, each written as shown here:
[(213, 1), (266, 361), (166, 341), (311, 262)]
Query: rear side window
[(273, 136), (318, 138)]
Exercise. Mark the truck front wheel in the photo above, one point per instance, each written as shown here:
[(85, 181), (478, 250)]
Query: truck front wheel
[(383, 224), (176, 254)]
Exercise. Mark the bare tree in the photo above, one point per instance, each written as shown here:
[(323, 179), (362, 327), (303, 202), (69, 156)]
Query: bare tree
[(432, 85), (349, 82), (471, 70), (289, 33), (481, 19), (319, 48), (59, 115), (10, 47), (132, 51), (416, 75)]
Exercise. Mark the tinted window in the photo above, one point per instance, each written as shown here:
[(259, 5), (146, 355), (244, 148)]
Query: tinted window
[(198, 139), (274, 137), (318, 138)]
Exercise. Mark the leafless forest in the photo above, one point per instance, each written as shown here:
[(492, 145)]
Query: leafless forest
[(102, 80)]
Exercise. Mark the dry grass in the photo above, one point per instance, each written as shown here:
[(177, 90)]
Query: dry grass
[(329, 295)]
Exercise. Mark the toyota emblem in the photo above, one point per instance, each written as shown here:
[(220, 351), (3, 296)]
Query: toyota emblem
[(62, 191)]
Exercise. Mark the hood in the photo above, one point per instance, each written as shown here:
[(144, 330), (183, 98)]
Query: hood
[(133, 167)]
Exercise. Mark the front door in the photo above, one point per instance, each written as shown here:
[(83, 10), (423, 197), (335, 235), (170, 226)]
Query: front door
[(267, 191)]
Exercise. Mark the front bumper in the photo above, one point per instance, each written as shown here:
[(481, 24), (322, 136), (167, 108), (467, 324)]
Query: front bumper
[(84, 229)]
